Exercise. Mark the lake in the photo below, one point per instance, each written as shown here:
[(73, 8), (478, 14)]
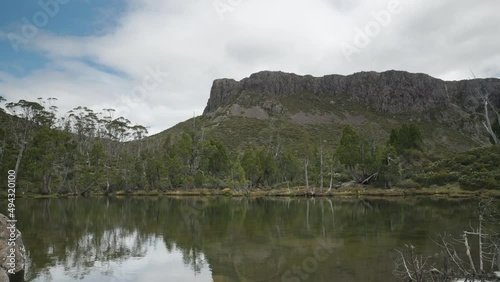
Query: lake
[(229, 239)]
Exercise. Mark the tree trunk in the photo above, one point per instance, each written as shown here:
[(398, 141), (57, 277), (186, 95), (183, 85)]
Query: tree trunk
[(87, 189), (19, 157), (331, 180), (480, 235), (307, 177), (487, 124), (354, 174), (321, 170), (367, 180), (107, 180), (61, 186), (46, 183), (287, 184)]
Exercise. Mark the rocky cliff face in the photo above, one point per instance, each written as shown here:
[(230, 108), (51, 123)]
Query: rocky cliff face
[(391, 92)]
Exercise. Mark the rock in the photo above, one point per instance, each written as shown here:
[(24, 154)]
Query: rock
[(273, 107), (3, 276), (392, 92), (5, 250)]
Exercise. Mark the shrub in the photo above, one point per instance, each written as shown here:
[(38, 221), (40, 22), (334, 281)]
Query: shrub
[(465, 159), (409, 184), (437, 178), (479, 180)]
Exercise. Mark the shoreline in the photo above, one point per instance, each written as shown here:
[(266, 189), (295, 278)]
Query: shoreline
[(450, 191)]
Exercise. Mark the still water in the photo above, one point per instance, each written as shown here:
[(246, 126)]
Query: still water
[(226, 239)]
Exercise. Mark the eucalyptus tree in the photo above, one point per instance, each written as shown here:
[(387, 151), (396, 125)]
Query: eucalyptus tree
[(138, 132), (238, 179), (368, 161), (289, 166), (348, 150), (268, 166), (184, 150), (83, 122), (50, 158), (405, 138), (153, 170), (214, 158), (117, 131), (27, 117), (175, 170), (251, 165)]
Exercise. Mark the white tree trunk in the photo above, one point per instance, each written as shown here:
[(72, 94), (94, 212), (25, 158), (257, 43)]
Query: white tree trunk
[(307, 177)]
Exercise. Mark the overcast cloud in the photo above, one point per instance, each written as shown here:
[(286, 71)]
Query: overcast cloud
[(189, 41)]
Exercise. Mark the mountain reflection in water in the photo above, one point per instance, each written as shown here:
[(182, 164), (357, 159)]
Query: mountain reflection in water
[(229, 239)]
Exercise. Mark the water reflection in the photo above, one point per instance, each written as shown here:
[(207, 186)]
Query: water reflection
[(143, 266), (224, 239)]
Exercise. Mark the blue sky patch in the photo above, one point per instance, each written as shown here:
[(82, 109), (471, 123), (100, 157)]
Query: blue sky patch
[(22, 21)]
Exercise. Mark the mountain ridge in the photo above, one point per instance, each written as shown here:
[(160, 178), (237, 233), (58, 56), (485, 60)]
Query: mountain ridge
[(274, 108), (413, 88), (396, 95)]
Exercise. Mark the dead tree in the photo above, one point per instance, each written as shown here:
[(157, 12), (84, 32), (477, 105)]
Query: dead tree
[(457, 259), (487, 122), (410, 266), (306, 176), (484, 96)]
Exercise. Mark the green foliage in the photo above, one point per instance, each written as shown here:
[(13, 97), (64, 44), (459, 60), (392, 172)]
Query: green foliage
[(389, 166), (199, 179), (436, 178), (214, 158), (153, 171), (409, 184), (348, 151), (480, 180), (251, 166), (259, 166), (475, 169), (175, 170), (289, 166), (94, 152), (238, 177), (406, 137), (183, 149), (267, 166), (367, 161)]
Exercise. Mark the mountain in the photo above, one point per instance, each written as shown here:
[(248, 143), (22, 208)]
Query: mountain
[(270, 108)]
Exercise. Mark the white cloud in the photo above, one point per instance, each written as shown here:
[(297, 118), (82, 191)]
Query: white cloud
[(188, 40)]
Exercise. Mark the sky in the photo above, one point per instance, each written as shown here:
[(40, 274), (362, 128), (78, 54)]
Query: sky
[(154, 61)]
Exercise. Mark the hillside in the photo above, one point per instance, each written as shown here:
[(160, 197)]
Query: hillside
[(270, 130), (270, 108)]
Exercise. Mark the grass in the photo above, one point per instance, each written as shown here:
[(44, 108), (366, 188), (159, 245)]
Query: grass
[(355, 191), (238, 132)]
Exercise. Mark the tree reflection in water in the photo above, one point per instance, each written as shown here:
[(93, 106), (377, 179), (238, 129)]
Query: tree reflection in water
[(231, 239)]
